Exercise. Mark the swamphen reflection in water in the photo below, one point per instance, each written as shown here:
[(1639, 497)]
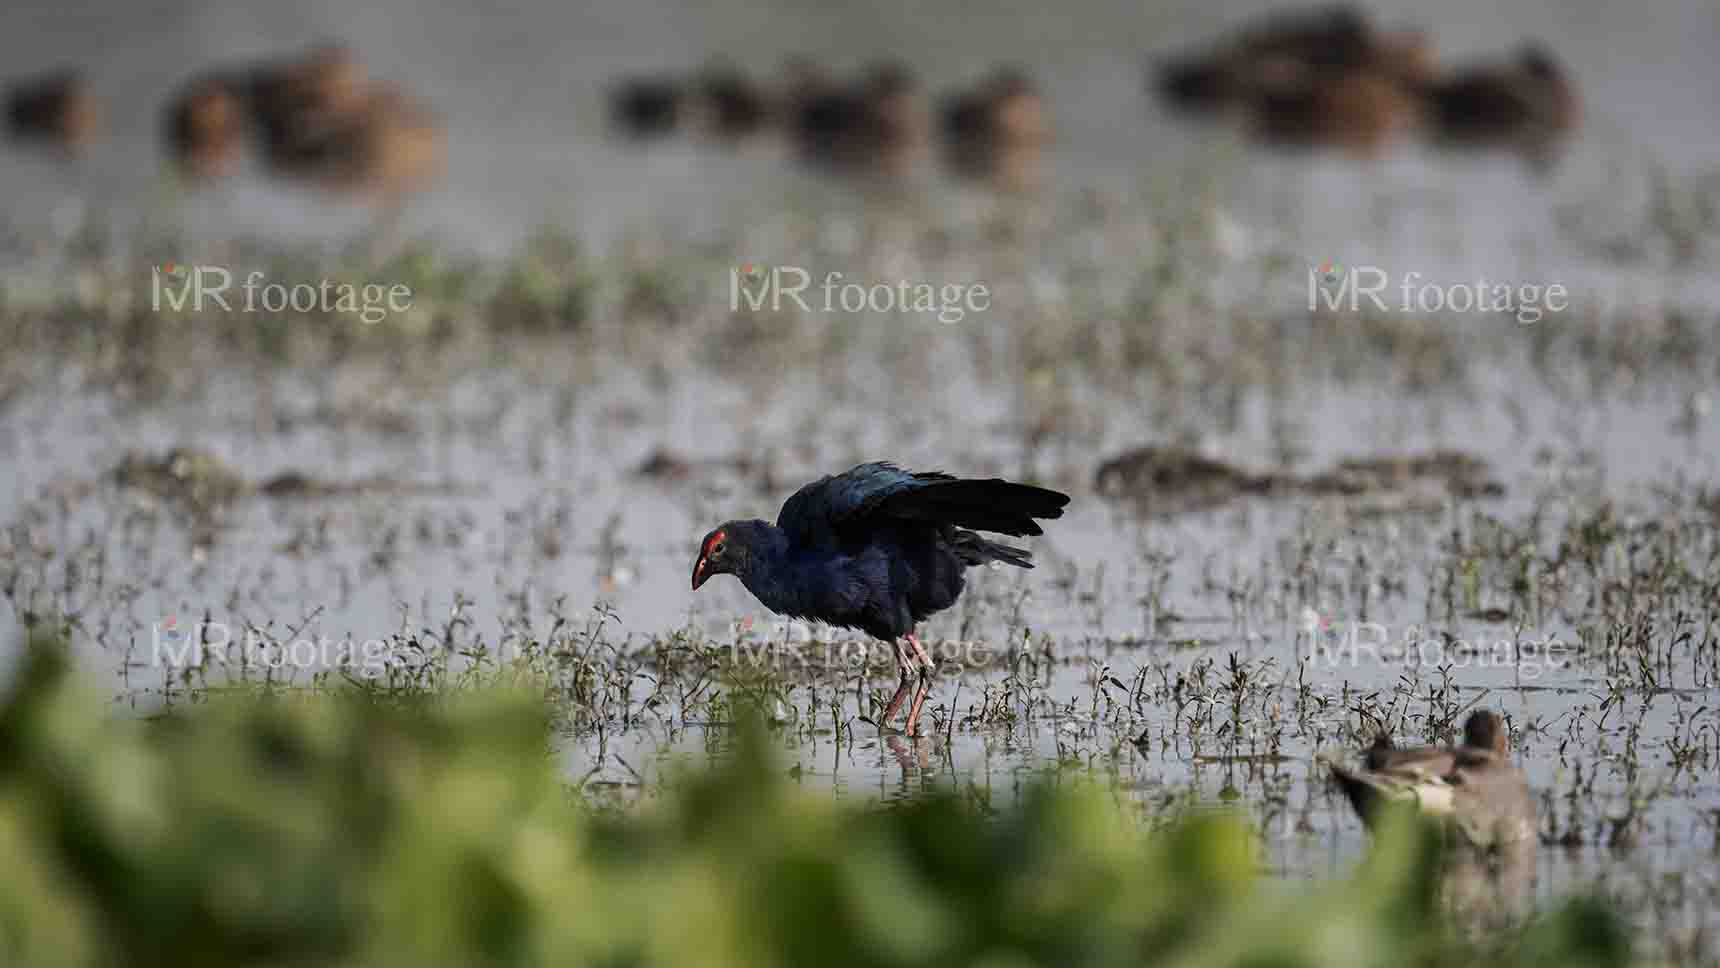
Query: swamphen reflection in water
[(878, 549)]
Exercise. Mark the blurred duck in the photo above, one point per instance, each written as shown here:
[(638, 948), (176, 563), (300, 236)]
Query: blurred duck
[(386, 146), (1527, 104), (300, 103), (1358, 111), (1290, 55), (1226, 75), (817, 108), (1405, 55), (878, 124), (57, 109), (324, 121), (731, 106), (994, 132), (206, 126), (647, 107), (326, 79), (896, 123), (1474, 787)]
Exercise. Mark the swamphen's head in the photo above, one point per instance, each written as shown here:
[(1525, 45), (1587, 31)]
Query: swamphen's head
[(729, 549)]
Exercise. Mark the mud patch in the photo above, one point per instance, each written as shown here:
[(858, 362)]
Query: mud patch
[(1173, 480)]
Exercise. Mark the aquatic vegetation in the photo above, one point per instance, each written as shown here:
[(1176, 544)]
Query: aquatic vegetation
[(274, 827)]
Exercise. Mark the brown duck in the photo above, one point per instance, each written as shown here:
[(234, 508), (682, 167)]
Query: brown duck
[(995, 131), (206, 125), (300, 102), (1359, 111), (387, 146), (323, 121), (877, 124), (1284, 50), (58, 109), (1528, 104), (1473, 786), (731, 106), (1325, 77)]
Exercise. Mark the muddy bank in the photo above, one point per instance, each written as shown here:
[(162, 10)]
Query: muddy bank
[(1172, 480), (200, 487)]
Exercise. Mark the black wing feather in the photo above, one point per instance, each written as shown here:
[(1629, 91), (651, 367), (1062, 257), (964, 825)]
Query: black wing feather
[(848, 507)]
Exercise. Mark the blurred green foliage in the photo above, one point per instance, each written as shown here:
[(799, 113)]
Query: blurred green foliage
[(547, 287), (299, 828)]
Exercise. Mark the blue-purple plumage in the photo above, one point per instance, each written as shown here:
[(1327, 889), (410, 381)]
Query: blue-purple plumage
[(876, 548)]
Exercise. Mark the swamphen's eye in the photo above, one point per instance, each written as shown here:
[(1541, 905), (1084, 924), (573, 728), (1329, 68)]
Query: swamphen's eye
[(717, 549)]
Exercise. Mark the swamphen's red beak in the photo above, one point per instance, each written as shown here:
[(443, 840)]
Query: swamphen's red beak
[(711, 559)]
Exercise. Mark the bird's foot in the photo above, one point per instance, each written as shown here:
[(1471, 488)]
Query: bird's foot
[(905, 663), (919, 659)]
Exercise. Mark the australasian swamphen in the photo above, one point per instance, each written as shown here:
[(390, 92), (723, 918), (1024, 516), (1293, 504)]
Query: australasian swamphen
[(878, 549)]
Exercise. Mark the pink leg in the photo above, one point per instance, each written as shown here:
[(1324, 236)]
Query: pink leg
[(913, 726), (904, 665), (920, 653), (926, 666)]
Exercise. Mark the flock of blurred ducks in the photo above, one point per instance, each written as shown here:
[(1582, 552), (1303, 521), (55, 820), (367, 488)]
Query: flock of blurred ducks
[(1328, 77), (878, 121), (1323, 77), (315, 118)]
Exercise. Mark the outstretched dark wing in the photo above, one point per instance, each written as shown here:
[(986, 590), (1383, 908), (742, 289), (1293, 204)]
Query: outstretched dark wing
[(847, 507)]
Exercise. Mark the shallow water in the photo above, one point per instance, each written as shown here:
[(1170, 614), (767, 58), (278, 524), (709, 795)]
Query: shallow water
[(367, 567)]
